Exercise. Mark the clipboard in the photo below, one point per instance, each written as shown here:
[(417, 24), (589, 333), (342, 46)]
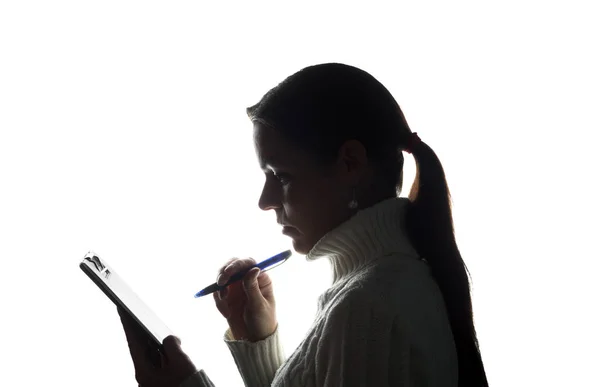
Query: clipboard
[(117, 290)]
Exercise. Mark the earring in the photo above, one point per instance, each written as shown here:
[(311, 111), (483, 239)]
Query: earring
[(353, 205)]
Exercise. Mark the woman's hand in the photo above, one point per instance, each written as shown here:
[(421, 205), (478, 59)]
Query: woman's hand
[(248, 305), (152, 368)]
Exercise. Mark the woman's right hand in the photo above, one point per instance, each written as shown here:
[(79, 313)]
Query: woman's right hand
[(249, 304)]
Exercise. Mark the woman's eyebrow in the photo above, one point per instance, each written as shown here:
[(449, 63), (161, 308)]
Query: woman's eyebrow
[(268, 167), (265, 165), (269, 162)]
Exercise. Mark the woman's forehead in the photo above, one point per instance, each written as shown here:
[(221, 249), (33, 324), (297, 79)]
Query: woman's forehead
[(272, 149), (270, 146)]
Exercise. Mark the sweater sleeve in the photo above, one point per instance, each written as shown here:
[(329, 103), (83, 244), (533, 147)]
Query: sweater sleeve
[(257, 362), (199, 379), (359, 338)]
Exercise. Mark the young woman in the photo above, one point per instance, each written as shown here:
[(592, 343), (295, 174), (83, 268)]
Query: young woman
[(329, 140)]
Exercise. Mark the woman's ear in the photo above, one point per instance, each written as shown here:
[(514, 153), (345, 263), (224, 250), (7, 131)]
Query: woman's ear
[(353, 161)]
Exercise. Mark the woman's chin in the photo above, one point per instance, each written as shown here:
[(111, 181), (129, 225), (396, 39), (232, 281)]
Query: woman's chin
[(300, 245)]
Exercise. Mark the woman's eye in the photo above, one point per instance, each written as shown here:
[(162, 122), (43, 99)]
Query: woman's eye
[(282, 177)]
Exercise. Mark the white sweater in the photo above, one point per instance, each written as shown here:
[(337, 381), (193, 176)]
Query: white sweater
[(383, 322)]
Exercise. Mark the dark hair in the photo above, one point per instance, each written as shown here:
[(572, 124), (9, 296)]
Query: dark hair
[(321, 107)]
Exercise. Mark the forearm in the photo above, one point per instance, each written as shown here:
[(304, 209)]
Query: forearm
[(257, 362)]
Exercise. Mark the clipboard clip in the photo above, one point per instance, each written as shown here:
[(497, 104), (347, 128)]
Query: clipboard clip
[(95, 260)]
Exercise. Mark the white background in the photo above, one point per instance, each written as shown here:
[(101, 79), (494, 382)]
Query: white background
[(123, 131)]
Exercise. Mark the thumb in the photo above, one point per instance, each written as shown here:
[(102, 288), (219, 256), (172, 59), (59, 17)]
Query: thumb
[(251, 287), (172, 345)]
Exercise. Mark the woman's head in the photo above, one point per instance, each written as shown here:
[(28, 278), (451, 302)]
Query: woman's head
[(325, 136)]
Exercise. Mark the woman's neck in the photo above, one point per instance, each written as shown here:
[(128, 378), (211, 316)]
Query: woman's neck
[(371, 233)]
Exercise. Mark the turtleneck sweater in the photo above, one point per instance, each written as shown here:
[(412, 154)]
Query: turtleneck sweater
[(383, 321)]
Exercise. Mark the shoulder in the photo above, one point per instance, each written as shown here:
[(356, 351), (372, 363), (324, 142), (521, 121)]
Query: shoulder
[(394, 287), (398, 275), (402, 286), (362, 297)]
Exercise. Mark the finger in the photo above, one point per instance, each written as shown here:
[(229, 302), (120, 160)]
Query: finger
[(222, 305), (174, 353), (234, 267), (239, 265), (221, 276), (172, 347), (266, 286), (222, 279), (229, 262), (252, 288), (180, 363)]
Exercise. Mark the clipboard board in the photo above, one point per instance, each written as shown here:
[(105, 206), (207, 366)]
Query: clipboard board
[(117, 290)]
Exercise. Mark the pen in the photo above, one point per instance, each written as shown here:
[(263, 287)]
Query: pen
[(264, 265)]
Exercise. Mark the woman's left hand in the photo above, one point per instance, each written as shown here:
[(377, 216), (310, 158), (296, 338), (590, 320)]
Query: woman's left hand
[(167, 370)]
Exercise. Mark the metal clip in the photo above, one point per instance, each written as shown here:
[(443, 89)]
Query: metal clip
[(99, 266)]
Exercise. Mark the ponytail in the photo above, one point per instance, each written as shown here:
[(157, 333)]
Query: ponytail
[(431, 230)]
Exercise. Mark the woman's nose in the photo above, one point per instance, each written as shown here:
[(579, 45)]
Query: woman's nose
[(270, 198)]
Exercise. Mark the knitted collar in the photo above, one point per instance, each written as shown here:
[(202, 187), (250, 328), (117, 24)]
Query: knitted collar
[(368, 235)]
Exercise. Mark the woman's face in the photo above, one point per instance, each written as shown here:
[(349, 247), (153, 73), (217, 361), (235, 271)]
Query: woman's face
[(309, 199)]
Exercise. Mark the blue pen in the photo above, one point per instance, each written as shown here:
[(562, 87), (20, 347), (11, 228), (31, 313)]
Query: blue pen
[(264, 265)]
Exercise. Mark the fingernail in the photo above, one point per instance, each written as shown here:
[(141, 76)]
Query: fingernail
[(254, 274), (220, 280)]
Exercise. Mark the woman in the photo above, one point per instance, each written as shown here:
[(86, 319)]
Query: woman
[(329, 140)]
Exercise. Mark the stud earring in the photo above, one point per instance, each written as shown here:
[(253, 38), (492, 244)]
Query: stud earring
[(353, 205)]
